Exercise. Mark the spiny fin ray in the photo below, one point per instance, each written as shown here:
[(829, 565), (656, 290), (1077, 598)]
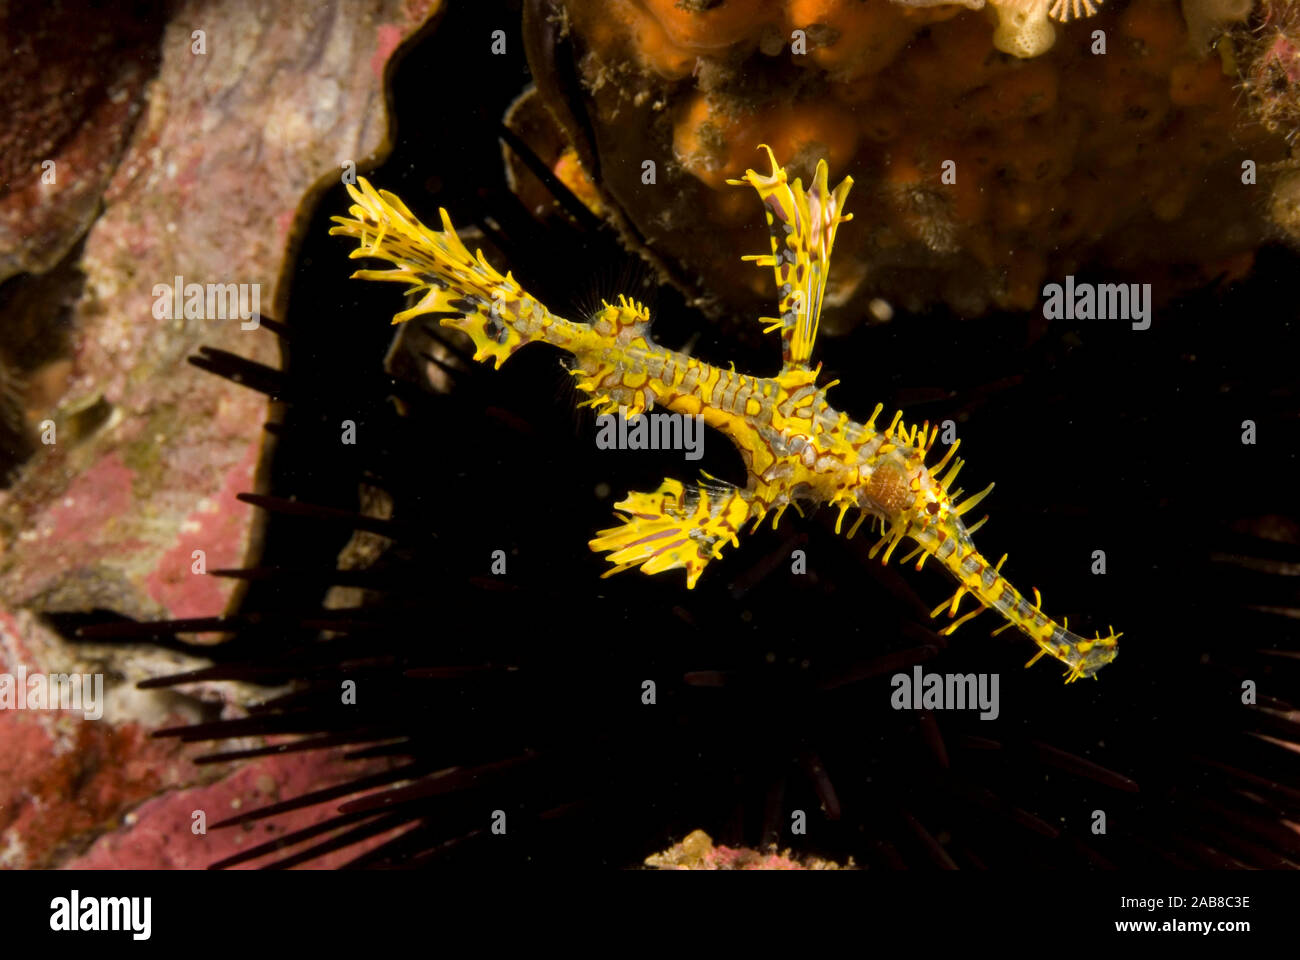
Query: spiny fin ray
[(800, 257)]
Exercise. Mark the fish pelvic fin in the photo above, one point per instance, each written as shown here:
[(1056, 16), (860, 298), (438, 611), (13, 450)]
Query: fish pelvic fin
[(674, 527)]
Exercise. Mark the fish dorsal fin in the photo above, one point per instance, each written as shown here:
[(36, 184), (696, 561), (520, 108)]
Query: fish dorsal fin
[(802, 225), (627, 321)]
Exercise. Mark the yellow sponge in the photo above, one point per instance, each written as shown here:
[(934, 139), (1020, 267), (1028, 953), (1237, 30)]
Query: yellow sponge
[(1024, 29)]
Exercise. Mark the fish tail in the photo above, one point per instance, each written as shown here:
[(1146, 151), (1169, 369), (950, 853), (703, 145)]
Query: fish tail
[(462, 289)]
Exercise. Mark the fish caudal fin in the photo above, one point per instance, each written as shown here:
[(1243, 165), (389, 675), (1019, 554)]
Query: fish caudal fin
[(462, 289), (676, 526)]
